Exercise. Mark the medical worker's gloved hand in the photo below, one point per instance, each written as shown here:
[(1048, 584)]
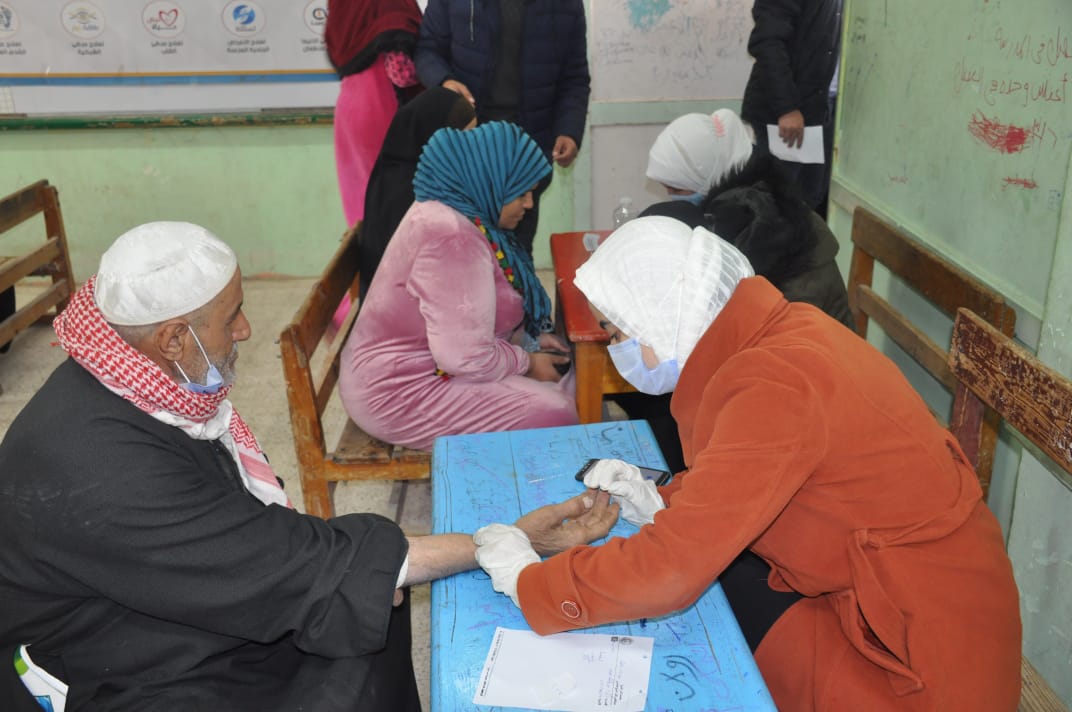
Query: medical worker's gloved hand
[(638, 497), (503, 550)]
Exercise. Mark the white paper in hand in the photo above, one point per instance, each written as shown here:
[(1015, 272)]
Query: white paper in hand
[(571, 672), (811, 151)]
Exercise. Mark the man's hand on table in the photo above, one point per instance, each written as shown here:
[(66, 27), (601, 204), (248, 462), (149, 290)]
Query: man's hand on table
[(503, 551), (582, 519)]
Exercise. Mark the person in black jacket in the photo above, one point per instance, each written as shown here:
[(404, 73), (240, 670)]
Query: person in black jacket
[(390, 187), (795, 44), (151, 558), (524, 62), (740, 193)]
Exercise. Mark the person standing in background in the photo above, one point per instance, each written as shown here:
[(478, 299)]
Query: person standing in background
[(370, 43), (390, 187), (795, 44), (523, 62)]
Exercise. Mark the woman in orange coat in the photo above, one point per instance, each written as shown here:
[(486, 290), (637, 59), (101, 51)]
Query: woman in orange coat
[(888, 586)]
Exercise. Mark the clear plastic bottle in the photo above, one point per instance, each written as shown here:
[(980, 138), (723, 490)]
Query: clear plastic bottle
[(623, 213)]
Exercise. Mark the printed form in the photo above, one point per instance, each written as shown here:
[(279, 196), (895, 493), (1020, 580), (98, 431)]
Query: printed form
[(569, 672)]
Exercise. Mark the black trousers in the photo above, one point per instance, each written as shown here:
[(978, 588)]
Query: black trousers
[(807, 178), (755, 604)]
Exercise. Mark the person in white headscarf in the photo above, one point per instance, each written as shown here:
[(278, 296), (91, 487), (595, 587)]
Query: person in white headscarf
[(695, 151), (152, 558), (809, 451), (717, 179)]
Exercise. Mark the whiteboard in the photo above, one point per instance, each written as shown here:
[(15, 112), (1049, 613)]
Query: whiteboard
[(163, 56), (620, 157), (650, 50)]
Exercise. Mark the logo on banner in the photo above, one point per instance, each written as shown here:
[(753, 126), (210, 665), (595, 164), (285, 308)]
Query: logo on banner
[(243, 18), (316, 16), (9, 21), (164, 19), (83, 19)]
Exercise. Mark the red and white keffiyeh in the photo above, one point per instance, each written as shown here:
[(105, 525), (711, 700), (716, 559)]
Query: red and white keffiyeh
[(94, 344)]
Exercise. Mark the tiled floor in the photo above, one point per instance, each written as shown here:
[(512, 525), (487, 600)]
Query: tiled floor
[(261, 399)]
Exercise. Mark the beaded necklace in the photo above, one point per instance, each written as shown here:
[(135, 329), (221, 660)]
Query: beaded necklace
[(499, 255)]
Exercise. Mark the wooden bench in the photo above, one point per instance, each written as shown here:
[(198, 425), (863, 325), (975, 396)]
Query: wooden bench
[(50, 258), (357, 456), (993, 372), (943, 284)]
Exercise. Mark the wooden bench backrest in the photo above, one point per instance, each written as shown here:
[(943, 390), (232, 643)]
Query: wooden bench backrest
[(311, 378), (994, 372), (308, 392), (943, 284), (50, 258)]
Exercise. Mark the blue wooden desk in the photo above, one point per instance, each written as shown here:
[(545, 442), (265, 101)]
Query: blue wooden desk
[(701, 661)]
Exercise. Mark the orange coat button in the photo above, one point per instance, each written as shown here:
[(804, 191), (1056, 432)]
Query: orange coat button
[(571, 609)]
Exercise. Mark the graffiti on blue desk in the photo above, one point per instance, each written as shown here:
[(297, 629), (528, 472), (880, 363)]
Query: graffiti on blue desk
[(683, 676)]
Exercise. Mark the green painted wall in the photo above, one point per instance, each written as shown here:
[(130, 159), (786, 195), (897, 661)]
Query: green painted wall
[(269, 191)]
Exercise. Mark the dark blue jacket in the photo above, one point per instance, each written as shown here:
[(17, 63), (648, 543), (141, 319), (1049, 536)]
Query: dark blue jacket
[(459, 40)]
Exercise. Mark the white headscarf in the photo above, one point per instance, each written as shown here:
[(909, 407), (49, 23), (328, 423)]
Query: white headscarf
[(662, 283), (695, 151), (161, 270)]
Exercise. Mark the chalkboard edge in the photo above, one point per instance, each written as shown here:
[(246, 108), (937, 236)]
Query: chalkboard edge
[(308, 117)]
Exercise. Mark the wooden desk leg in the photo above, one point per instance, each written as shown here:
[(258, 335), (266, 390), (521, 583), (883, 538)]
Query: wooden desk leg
[(589, 363)]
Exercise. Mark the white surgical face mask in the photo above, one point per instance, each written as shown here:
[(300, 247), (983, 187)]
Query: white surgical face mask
[(629, 361)]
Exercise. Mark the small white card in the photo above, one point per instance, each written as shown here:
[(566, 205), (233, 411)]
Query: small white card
[(590, 241), (811, 151), (569, 672)]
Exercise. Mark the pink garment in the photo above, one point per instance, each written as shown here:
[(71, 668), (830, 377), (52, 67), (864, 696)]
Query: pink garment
[(440, 300), (363, 111)]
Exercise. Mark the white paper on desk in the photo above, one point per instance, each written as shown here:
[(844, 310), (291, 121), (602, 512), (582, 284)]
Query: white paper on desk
[(811, 151), (569, 672)]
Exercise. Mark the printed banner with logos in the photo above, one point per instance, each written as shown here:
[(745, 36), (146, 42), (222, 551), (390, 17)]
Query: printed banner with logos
[(162, 56), (98, 40)]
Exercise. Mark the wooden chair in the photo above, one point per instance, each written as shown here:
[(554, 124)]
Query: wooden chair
[(943, 284), (357, 456), (47, 259), (993, 372)]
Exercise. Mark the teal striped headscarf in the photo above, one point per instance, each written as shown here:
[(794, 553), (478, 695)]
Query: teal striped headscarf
[(477, 172)]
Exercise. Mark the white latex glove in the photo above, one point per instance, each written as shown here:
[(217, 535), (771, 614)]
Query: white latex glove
[(639, 498), (503, 551)]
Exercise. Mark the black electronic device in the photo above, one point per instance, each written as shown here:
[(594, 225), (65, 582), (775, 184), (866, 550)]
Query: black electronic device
[(659, 477)]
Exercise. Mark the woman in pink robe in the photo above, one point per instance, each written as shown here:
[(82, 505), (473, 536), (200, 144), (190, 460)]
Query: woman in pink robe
[(453, 335)]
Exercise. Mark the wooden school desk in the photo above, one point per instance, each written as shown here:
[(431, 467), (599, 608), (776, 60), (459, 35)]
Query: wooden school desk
[(700, 662), (596, 375)]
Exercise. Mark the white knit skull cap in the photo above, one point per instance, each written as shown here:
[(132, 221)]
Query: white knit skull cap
[(695, 151), (662, 283), (161, 270)]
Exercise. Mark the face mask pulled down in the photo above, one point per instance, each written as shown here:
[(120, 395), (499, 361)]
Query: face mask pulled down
[(213, 378)]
